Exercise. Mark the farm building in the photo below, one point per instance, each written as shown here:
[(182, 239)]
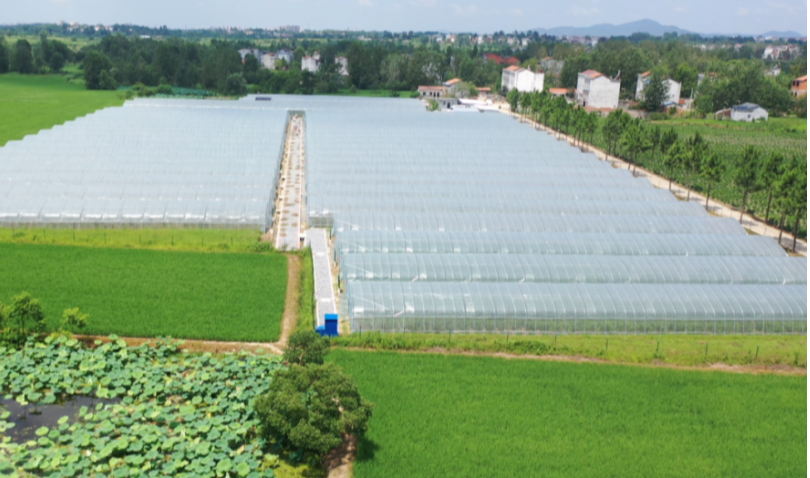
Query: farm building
[(596, 90), (747, 112), (521, 79), (673, 88)]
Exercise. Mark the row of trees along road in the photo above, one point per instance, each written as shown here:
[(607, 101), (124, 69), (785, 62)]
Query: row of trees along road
[(784, 179)]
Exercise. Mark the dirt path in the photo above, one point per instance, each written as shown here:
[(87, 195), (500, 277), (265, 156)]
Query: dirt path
[(721, 367)]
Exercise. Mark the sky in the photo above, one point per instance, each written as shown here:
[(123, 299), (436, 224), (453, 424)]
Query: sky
[(701, 16)]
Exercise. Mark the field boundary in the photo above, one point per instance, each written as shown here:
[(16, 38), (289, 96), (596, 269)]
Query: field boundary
[(719, 208)]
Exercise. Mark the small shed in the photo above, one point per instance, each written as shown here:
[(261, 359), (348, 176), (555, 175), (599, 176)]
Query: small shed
[(748, 112)]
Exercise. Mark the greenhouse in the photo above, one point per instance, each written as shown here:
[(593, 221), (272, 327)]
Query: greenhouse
[(151, 163), (561, 269), (576, 308)]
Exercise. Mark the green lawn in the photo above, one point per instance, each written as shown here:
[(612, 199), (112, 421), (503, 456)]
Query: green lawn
[(143, 293), (456, 416), (30, 103)]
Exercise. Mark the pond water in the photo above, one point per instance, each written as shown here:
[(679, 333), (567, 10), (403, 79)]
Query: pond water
[(28, 418)]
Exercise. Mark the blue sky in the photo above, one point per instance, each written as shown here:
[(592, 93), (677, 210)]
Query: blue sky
[(712, 16)]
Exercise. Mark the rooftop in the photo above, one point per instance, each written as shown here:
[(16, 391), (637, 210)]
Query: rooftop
[(591, 73)]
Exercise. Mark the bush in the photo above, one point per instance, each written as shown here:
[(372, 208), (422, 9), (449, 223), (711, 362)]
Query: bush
[(23, 317), (306, 347), (313, 408), (235, 85)]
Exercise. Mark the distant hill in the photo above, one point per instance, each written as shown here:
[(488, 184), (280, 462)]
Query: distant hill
[(643, 26)]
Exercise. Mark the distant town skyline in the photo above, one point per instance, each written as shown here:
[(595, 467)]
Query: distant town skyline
[(715, 17)]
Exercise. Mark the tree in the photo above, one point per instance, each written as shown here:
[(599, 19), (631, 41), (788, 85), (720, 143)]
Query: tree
[(235, 85), (655, 92), (95, 64), (313, 408), (73, 319), (768, 174), (23, 60), (694, 158), (654, 137), (673, 159), (23, 317), (613, 128), (711, 170), (56, 62), (512, 98), (745, 173), (3, 56), (306, 347), (635, 142)]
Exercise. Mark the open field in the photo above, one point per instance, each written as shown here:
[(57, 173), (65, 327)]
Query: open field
[(217, 240), (30, 103), (684, 350), (456, 416), (141, 293)]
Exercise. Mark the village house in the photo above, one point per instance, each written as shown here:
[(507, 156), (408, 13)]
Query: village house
[(747, 112), (432, 92), (493, 57), (799, 86), (344, 65), (521, 79), (250, 51), (451, 86), (597, 90), (311, 64), (268, 60), (673, 88)]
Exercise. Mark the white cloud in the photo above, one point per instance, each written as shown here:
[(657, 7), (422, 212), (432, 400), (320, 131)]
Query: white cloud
[(742, 12), (584, 12), (469, 10), (365, 3)]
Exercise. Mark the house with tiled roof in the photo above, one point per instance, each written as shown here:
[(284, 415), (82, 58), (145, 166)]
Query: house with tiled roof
[(799, 86), (673, 88), (493, 57), (511, 60), (431, 91), (597, 90)]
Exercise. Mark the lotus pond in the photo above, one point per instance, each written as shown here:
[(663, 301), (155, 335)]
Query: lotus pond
[(158, 411)]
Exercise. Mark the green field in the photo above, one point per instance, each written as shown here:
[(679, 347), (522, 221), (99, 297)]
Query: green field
[(453, 416), (686, 350), (218, 240), (30, 103), (142, 293)]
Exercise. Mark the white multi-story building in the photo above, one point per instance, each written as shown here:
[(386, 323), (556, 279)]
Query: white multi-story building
[(597, 90), (521, 79), (344, 65), (269, 61), (673, 88), (250, 51), (285, 55), (310, 63)]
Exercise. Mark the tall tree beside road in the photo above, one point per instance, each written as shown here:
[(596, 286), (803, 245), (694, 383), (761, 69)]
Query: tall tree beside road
[(745, 174)]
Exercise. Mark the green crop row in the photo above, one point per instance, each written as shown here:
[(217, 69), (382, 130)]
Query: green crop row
[(143, 293), (455, 416)]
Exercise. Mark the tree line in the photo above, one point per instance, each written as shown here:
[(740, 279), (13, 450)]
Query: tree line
[(784, 179)]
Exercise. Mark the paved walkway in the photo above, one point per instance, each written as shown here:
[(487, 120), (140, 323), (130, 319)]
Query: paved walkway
[(291, 186), (321, 263), (717, 208)]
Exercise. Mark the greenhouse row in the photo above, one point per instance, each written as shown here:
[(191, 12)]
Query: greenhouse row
[(436, 242), (572, 269), (151, 163), (605, 308)]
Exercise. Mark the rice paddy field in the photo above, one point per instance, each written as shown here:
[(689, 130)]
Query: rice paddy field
[(30, 103), (455, 416), (147, 293)]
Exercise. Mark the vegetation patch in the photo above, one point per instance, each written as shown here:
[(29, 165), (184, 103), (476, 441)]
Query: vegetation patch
[(686, 350), (455, 416), (174, 413), (29, 104), (142, 293)]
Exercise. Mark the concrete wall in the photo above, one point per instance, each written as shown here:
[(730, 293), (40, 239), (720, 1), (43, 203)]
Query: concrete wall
[(309, 64), (749, 116), (508, 80), (603, 93), (529, 81)]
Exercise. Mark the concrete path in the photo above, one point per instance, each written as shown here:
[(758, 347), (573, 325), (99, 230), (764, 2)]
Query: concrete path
[(291, 188), (321, 263), (753, 224)]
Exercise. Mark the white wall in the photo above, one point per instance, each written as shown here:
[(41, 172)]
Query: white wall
[(529, 81), (603, 93), (508, 80), (759, 113), (309, 64), (269, 61)]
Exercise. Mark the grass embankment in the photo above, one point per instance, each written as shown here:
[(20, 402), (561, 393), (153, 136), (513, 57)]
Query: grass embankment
[(141, 293), (454, 416), (215, 240), (30, 103), (306, 309), (686, 350)]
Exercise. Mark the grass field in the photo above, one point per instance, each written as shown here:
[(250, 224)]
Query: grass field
[(688, 350), (141, 293), (31, 103), (454, 416), (219, 240)]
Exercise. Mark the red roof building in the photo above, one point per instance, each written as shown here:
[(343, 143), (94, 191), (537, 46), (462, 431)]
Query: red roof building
[(493, 57), (511, 61)]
